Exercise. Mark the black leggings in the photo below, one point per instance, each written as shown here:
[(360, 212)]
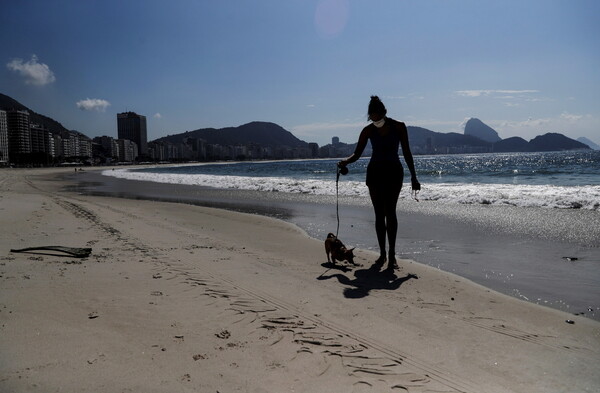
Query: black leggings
[(385, 184)]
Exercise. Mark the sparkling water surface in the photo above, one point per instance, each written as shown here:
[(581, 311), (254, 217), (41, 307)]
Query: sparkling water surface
[(554, 180)]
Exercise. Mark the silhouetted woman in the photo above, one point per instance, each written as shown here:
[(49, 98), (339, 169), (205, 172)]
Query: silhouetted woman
[(385, 173)]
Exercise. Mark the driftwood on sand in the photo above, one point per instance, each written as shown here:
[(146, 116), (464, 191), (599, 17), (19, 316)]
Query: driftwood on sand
[(70, 251)]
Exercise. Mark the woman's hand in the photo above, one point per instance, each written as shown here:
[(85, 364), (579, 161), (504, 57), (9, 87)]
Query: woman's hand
[(416, 186), (342, 168)]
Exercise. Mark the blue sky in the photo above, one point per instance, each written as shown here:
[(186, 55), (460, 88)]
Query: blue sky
[(524, 67)]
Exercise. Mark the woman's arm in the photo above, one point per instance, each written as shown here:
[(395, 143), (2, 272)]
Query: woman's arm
[(408, 156), (360, 147)]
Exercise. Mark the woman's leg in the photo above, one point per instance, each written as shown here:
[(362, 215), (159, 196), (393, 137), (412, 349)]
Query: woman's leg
[(391, 221), (380, 225)]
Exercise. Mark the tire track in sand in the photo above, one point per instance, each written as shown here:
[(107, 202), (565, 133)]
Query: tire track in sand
[(361, 355), (368, 360)]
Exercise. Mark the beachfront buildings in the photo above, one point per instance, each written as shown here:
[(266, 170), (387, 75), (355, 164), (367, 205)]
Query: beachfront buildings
[(108, 150), (24, 142), (128, 150), (132, 126), (19, 135), (3, 139), (194, 149)]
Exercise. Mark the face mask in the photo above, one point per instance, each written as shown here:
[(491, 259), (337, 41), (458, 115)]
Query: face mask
[(379, 123)]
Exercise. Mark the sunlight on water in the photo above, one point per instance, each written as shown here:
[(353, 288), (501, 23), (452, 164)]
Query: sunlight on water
[(554, 180)]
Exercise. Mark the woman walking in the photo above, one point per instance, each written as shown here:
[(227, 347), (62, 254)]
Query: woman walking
[(385, 173)]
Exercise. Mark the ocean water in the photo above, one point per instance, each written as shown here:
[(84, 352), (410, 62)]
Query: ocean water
[(565, 180)]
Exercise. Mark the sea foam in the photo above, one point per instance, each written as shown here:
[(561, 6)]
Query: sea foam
[(546, 196)]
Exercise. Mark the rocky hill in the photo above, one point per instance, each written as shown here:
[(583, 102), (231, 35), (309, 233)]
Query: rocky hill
[(546, 142), (511, 145), (554, 142), (475, 127), (257, 132)]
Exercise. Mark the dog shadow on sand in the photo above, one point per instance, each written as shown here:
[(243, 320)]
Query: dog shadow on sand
[(366, 280)]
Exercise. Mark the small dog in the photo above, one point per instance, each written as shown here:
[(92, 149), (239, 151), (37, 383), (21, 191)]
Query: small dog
[(338, 251)]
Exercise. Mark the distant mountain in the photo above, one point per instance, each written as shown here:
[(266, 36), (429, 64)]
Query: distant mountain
[(8, 103), (261, 133), (588, 142), (424, 140), (510, 145), (554, 142), (423, 137), (475, 127)]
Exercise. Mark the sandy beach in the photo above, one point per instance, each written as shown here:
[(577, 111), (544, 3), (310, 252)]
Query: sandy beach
[(177, 297)]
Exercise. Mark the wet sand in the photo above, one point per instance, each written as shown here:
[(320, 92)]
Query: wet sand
[(521, 252)]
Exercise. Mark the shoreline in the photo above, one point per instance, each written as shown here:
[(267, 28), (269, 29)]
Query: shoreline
[(178, 297), (516, 251)]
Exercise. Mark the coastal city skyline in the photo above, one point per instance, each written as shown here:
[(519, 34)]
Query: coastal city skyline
[(525, 69)]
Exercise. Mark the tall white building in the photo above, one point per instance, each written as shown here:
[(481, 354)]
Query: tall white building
[(19, 135), (128, 150)]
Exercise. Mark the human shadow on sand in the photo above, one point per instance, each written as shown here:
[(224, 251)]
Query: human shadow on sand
[(365, 280)]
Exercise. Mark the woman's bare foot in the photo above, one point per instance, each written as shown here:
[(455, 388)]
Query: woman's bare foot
[(380, 261)]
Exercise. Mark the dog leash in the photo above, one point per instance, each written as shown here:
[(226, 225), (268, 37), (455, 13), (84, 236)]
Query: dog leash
[(337, 202)]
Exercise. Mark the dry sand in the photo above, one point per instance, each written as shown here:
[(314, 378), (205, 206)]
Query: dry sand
[(181, 298)]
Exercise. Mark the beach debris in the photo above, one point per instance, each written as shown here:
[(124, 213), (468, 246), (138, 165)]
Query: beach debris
[(570, 259), (224, 334), (570, 321), (93, 315), (198, 357), (94, 360), (71, 251), (156, 293), (157, 275)]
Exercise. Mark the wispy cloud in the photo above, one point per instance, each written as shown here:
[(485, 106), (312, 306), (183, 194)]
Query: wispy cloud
[(506, 94), (34, 72), (93, 104), (157, 115)]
